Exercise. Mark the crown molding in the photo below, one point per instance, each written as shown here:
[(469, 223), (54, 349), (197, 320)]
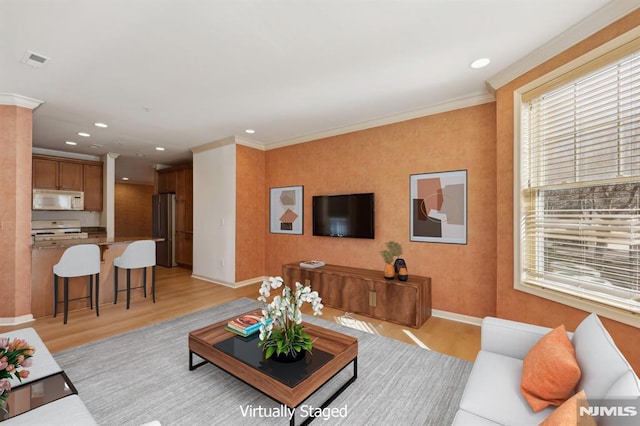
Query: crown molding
[(250, 143), (583, 29), (64, 154), (19, 100), (229, 140), (469, 101)]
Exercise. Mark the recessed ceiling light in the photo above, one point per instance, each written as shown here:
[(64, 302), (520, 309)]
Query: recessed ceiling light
[(250, 131), (139, 155), (95, 145), (125, 178), (480, 63), (100, 125), (159, 148), (83, 134), (71, 143)]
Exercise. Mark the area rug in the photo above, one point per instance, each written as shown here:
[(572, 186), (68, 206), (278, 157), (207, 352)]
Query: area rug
[(143, 375)]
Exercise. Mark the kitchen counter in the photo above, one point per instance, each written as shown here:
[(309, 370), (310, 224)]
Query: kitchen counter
[(45, 254), (101, 241)]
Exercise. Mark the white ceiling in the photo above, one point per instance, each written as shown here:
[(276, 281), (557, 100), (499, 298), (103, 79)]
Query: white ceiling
[(182, 73)]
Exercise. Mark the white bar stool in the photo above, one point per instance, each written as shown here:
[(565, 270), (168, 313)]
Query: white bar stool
[(138, 254), (77, 261)]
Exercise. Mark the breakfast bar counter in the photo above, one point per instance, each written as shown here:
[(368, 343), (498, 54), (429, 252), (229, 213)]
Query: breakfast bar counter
[(101, 241), (45, 254)]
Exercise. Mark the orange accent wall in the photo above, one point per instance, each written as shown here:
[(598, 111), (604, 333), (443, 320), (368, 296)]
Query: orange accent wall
[(133, 210), (381, 160), (251, 213), (15, 210), (515, 304)]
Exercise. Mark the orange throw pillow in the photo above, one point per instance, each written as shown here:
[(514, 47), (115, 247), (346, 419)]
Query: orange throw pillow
[(568, 413), (550, 371)]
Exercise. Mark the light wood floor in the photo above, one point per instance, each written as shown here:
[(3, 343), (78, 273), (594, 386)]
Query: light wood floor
[(177, 294)]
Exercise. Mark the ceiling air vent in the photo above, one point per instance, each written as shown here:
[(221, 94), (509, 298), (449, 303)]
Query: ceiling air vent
[(34, 59)]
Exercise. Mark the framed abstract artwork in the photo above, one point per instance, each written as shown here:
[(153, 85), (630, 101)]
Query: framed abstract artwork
[(285, 214), (439, 207)]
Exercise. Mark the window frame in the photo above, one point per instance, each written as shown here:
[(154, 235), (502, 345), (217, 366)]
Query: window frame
[(597, 58)]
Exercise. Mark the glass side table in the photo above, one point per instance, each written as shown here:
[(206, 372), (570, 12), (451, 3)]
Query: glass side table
[(37, 393)]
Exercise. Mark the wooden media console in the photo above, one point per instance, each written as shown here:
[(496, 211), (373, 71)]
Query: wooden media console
[(367, 292)]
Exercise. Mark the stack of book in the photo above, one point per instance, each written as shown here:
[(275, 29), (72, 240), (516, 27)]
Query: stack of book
[(245, 325)]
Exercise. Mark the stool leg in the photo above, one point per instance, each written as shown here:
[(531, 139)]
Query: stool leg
[(144, 281), (90, 291), (128, 286), (98, 294), (115, 284), (55, 295), (153, 282), (66, 298)]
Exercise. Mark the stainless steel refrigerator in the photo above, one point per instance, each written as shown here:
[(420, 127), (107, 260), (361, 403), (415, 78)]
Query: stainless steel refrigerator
[(164, 213)]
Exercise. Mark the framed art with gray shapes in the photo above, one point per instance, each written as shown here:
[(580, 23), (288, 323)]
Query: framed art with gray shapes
[(439, 207), (286, 210)]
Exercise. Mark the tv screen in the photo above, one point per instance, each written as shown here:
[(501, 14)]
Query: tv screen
[(349, 216)]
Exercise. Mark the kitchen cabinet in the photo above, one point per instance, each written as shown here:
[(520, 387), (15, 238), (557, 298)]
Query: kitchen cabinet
[(92, 178), (184, 248), (179, 180), (166, 181), (71, 175), (44, 173), (49, 173), (366, 292)]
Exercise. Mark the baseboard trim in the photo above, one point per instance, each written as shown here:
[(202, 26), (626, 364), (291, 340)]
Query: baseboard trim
[(237, 284), (16, 320), (467, 319), (251, 281), (213, 280)]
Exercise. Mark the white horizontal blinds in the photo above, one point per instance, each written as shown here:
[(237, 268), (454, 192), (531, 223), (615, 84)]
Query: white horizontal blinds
[(581, 186)]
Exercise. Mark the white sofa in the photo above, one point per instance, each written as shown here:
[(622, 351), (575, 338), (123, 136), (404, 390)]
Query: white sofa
[(492, 394), (67, 411)]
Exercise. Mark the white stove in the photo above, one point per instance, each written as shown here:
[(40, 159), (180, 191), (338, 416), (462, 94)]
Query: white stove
[(55, 230)]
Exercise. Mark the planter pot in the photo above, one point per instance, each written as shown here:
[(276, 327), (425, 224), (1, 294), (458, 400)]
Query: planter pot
[(389, 271), (287, 358), (403, 274), (399, 263)]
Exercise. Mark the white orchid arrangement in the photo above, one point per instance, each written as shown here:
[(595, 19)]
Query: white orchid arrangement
[(283, 335)]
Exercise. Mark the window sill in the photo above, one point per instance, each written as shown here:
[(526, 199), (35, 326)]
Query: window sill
[(586, 305)]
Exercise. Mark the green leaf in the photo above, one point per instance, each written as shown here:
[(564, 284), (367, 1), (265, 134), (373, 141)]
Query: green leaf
[(269, 352)]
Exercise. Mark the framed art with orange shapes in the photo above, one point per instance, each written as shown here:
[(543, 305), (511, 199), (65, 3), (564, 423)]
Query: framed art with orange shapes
[(439, 207), (286, 210)]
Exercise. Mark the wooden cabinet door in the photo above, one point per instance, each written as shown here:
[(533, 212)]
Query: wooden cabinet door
[(180, 200), (93, 187), (329, 287), (163, 183), (184, 248), (396, 302), (44, 174), (167, 182), (70, 176), (358, 295), (180, 185), (188, 211)]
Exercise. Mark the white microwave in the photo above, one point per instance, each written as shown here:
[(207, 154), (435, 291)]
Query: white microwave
[(45, 199)]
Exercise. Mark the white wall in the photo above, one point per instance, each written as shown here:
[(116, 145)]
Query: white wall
[(214, 212), (85, 218)]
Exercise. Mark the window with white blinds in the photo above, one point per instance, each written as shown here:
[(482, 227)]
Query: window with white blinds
[(580, 187)]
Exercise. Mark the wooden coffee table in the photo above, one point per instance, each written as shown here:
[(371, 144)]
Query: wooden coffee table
[(288, 384)]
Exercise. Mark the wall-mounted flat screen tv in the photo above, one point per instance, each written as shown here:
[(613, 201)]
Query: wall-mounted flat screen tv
[(349, 215)]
